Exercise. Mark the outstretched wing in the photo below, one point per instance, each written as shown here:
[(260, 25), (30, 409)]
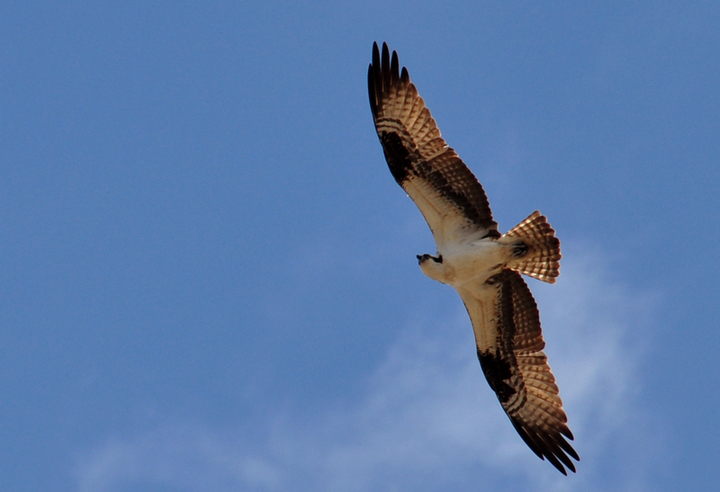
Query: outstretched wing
[(510, 348), (444, 189)]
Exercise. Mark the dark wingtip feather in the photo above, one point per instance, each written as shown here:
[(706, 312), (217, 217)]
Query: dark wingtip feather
[(373, 76), (534, 447), (557, 452), (371, 90), (395, 67), (548, 448), (385, 67), (376, 54), (569, 449), (376, 68), (383, 73), (554, 461)]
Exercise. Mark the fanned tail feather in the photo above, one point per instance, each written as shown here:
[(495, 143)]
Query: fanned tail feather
[(542, 260)]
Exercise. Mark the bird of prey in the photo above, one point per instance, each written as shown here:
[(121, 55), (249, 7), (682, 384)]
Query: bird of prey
[(483, 265)]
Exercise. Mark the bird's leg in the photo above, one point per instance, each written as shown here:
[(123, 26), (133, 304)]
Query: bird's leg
[(519, 249)]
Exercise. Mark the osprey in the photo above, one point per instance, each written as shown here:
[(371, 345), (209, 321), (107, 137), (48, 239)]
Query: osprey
[(483, 265)]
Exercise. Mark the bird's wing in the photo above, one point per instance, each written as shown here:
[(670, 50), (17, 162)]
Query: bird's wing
[(444, 189), (510, 346)]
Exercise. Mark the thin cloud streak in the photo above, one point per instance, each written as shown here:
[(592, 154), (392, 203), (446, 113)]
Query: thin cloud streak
[(427, 418)]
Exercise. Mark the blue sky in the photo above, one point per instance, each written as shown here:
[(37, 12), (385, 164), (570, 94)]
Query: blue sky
[(208, 275)]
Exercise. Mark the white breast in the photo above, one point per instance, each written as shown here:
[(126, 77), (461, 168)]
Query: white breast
[(471, 262)]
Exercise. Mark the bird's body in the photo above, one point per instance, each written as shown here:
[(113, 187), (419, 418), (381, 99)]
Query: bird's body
[(483, 265), (465, 263)]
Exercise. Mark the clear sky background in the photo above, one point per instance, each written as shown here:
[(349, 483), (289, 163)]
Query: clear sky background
[(208, 276)]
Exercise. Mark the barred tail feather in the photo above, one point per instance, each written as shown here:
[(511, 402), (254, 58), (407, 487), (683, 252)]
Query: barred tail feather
[(542, 260)]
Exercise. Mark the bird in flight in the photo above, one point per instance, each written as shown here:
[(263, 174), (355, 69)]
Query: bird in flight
[(483, 265)]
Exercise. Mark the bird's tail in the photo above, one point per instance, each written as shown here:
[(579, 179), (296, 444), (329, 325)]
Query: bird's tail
[(536, 250)]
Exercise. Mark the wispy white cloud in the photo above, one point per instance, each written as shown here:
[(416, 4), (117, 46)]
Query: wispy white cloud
[(427, 419)]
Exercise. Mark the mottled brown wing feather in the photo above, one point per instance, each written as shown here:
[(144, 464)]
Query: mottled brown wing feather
[(517, 370), (444, 189)]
